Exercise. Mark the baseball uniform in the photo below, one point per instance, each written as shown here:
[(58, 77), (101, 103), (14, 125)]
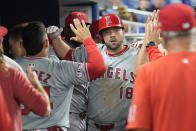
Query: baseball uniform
[(79, 101), (165, 94), (57, 78), (111, 95)]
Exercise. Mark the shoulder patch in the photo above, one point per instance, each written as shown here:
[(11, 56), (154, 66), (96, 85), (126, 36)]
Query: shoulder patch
[(79, 70)]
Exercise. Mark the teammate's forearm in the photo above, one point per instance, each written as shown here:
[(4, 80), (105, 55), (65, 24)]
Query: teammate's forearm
[(60, 48), (141, 59), (39, 87), (96, 65)]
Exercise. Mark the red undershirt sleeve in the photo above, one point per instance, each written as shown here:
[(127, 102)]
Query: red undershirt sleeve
[(68, 56), (154, 53), (96, 66)]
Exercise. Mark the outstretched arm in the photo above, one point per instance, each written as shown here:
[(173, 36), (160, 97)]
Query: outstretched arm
[(60, 47), (96, 66), (150, 35)]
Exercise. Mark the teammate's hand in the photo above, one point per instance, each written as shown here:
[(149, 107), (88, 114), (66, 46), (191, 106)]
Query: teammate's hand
[(80, 30), (152, 34), (32, 76), (54, 32)]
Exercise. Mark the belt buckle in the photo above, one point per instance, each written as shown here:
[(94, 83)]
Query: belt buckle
[(82, 115), (104, 127)]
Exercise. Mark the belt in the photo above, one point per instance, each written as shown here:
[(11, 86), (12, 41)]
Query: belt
[(106, 126), (54, 128), (82, 115)]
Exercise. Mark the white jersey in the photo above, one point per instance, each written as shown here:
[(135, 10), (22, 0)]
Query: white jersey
[(11, 63), (111, 95), (57, 78), (51, 51)]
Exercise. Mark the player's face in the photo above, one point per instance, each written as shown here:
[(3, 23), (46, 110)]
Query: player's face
[(15, 48), (113, 38)]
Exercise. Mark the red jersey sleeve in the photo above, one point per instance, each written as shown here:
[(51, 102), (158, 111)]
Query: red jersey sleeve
[(154, 53), (96, 66), (5, 121), (139, 116), (28, 96)]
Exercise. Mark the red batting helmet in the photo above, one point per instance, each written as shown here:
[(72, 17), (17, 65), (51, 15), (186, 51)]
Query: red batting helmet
[(94, 27), (110, 20), (75, 15)]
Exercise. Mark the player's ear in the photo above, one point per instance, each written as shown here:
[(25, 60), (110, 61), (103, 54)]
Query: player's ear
[(46, 42), (20, 43)]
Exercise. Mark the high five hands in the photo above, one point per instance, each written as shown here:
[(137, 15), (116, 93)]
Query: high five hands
[(80, 30), (152, 34)]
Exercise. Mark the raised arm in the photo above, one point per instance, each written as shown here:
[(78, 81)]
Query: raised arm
[(96, 66), (151, 35), (60, 47)]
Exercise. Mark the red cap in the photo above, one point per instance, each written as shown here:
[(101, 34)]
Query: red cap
[(176, 17), (3, 31), (75, 15), (94, 28), (110, 20)]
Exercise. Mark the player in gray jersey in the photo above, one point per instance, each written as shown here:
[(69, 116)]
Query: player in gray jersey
[(79, 100), (58, 77), (111, 94), (16, 48)]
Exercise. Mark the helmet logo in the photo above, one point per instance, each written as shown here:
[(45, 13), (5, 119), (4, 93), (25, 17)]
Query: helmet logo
[(108, 20)]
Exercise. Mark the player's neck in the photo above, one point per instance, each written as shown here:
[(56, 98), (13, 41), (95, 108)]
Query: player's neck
[(43, 53), (179, 45)]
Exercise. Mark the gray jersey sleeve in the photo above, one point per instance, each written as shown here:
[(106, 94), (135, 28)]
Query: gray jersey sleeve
[(71, 72), (80, 54)]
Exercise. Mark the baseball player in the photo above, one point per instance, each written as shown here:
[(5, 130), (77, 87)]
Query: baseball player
[(17, 88), (110, 95), (165, 93), (8, 61), (58, 77), (15, 42), (79, 100)]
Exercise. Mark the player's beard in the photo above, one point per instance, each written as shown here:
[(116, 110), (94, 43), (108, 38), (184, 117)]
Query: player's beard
[(114, 48)]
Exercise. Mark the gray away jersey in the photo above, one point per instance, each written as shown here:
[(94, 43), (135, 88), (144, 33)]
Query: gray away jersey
[(57, 78), (79, 99), (111, 95)]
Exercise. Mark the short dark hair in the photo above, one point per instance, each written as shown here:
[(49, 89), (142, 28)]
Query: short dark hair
[(15, 33), (33, 37)]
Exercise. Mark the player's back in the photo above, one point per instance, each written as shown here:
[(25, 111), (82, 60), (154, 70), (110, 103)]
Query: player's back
[(57, 78), (173, 92)]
